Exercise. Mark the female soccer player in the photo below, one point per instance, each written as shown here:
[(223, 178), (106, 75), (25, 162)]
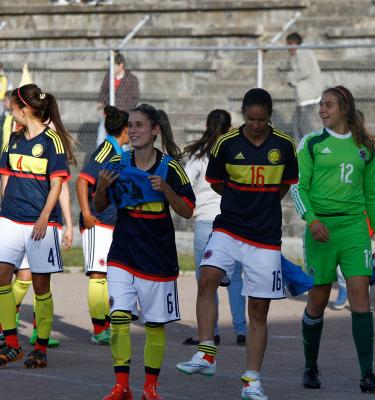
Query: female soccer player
[(252, 168), (33, 167), (23, 280), (142, 261), (336, 186), (96, 227), (206, 209)]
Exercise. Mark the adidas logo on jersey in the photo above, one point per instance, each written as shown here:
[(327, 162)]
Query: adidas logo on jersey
[(326, 151), (239, 156)]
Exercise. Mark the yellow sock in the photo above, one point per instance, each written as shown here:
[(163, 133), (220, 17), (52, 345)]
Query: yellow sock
[(44, 314), (106, 300), (120, 338), (20, 289), (95, 299), (154, 346), (7, 308)]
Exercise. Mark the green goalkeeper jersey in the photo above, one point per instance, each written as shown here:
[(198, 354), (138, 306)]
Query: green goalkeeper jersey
[(336, 177)]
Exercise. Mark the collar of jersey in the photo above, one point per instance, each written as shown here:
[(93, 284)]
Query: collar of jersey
[(115, 144), (338, 135)]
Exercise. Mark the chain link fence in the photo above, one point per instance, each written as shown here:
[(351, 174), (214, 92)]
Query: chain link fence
[(188, 84)]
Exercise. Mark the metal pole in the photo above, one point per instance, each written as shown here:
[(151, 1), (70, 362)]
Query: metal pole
[(112, 77), (285, 28), (259, 68), (133, 31)]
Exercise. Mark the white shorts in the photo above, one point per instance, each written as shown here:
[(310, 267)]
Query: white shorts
[(25, 263), (43, 256), (96, 243), (261, 267), (158, 301)]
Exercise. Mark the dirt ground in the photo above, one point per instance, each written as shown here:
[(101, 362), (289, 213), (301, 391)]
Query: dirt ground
[(80, 370)]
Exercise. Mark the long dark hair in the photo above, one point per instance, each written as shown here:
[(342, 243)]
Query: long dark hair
[(355, 123), (218, 123), (115, 120), (160, 118), (45, 107)]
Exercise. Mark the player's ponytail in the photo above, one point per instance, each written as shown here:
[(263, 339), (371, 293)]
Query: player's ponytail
[(44, 106), (160, 118), (355, 122), (167, 139)]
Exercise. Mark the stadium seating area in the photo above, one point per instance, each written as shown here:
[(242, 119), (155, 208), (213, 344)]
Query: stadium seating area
[(186, 84)]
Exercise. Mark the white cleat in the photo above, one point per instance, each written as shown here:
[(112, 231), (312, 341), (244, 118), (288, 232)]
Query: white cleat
[(197, 365), (253, 391)]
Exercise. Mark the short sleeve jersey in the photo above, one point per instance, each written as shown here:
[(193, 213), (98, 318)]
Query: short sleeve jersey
[(144, 237), (31, 164), (90, 173), (252, 177)]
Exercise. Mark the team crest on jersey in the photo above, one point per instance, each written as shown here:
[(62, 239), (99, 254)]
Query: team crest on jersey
[(274, 156), (14, 146), (362, 154), (207, 254), (102, 262), (37, 150)]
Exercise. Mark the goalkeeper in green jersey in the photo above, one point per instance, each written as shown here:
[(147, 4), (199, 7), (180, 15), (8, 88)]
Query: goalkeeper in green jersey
[(336, 187)]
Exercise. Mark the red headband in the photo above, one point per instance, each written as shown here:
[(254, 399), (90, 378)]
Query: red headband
[(343, 94), (23, 101)]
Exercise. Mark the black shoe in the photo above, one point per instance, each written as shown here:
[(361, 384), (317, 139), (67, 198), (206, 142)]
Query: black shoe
[(367, 384), (191, 341), (194, 342), (241, 340), (311, 378)]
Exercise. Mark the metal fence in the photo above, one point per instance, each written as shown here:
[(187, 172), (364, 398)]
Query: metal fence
[(189, 82)]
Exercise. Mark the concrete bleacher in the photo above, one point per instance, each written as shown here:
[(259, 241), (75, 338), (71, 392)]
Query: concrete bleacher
[(186, 84)]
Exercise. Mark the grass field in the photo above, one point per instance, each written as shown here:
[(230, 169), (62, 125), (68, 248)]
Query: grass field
[(74, 258)]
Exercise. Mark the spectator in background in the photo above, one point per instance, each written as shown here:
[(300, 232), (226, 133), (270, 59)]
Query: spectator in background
[(126, 92), (206, 209), (306, 79)]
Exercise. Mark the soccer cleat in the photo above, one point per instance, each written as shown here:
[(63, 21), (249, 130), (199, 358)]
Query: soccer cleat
[(51, 342), (9, 354), (150, 393), (118, 392), (342, 299), (253, 391), (36, 359), (103, 338), (311, 378), (367, 384), (198, 365)]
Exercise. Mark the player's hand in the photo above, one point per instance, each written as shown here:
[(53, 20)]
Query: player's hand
[(40, 228), (89, 221), (67, 238), (319, 231), (106, 178), (159, 184)]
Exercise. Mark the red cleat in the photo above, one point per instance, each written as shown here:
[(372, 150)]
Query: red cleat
[(118, 392), (150, 393)]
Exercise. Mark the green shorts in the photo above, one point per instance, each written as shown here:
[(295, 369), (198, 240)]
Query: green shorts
[(349, 246)]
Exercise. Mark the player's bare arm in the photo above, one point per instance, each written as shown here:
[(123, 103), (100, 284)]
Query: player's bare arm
[(176, 202)]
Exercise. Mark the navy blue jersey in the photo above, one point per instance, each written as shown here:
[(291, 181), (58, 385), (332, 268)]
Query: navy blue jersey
[(31, 164), (144, 237), (252, 177), (91, 173)]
